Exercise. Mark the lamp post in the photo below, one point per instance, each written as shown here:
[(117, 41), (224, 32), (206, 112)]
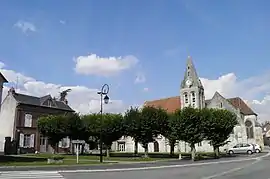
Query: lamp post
[(104, 91)]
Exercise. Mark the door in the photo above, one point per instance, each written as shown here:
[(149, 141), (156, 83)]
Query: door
[(156, 146), (121, 146), (43, 144)]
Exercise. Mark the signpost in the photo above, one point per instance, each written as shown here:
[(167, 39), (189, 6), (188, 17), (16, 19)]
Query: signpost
[(77, 145)]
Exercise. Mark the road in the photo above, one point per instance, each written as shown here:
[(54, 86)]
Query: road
[(239, 168)]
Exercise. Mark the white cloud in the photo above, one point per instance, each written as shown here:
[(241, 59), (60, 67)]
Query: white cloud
[(140, 78), (103, 66), (62, 22), (81, 98), (25, 26), (145, 89)]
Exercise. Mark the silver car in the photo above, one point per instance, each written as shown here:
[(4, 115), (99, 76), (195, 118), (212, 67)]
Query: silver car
[(242, 148)]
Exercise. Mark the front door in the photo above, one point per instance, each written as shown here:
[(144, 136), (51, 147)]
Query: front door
[(43, 144)]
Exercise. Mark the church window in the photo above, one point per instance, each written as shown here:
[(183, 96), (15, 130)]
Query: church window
[(193, 97), (249, 129), (188, 73), (186, 98)]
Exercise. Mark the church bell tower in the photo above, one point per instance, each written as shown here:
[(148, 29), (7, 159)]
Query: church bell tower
[(191, 90)]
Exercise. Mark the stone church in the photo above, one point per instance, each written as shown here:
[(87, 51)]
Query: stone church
[(192, 94)]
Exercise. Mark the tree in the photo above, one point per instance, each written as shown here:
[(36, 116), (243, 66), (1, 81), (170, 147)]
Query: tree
[(111, 129), (219, 124), (189, 127), (150, 125), (53, 127), (131, 125), (170, 132)]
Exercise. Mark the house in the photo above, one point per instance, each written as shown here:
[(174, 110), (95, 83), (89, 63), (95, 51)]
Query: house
[(266, 133), (192, 94), (18, 119)]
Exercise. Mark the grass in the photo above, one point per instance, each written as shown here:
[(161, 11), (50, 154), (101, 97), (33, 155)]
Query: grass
[(93, 158), (44, 163)]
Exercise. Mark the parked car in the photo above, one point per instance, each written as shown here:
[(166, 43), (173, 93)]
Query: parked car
[(258, 148), (242, 148)]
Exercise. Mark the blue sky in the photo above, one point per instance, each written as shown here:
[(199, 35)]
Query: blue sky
[(221, 36)]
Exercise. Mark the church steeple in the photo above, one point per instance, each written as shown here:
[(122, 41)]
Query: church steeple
[(191, 75), (192, 91)]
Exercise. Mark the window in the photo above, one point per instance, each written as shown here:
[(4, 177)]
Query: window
[(27, 140), (249, 129), (186, 97), (210, 143), (193, 96), (220, 105), (28, 120), (49, 103), (200, 144), (121, 146)]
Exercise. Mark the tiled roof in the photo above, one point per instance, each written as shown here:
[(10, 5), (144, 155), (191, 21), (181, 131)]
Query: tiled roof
[(173, 103), (170, 104), (244, 108), (32, 100)]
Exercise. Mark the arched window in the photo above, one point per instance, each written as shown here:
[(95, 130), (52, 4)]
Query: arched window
[(193, 96), (249, 129), (186, 97)]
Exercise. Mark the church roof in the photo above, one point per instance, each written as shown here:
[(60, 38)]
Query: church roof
[(169, 104), (173, 103)]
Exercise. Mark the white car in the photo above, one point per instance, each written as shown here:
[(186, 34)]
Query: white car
[(242, 148), (258, 148)]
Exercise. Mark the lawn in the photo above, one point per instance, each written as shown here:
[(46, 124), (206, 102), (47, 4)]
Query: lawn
[(94, 158), (44, 163)]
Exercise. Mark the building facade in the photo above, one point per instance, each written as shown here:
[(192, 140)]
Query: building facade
[(19, 116), (192, 94)]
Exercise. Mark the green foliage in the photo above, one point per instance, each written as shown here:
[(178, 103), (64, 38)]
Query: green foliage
[(189, 126), (53, 127), (218, 125), (131, 124), (74, 126)]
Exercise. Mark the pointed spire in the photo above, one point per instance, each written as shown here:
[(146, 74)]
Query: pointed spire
[(191, 74)]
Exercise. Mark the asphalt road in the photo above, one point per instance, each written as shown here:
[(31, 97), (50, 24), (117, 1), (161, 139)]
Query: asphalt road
[(231, 168)]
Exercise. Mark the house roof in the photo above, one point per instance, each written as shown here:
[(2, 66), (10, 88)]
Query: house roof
[(5, 80), (173, 103), (38, 101)]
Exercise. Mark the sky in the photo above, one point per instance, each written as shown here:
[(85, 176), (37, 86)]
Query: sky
[(138, 47)]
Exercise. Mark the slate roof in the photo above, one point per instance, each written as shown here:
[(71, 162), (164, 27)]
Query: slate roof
[(5, 80), (173, 103), (38, 101)]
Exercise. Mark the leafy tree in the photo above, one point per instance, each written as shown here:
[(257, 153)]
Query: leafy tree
[(150, 125), (111, 129), (189, 127), (170, 132), (219, 123), (53, 127), (131, 125)]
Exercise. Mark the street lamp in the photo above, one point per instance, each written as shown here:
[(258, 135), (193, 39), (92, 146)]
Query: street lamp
[(104, 91)]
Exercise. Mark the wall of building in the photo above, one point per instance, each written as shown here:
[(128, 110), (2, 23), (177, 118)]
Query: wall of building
[(7, 116)]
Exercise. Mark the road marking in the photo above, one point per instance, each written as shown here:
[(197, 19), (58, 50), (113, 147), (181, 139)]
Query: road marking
[(30, 175), (257, 159), (162, 167)]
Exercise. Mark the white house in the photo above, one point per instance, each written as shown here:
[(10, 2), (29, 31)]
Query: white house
[(192, 93)]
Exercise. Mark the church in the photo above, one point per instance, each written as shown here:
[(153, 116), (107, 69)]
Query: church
[(192, 94)]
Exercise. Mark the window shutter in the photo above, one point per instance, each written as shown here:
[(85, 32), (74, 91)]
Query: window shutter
[(21, 140), (32, 140)]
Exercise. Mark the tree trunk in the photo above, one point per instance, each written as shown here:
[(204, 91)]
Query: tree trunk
[(216, 151), (145, 146), (136, 148), (193, 152), (172, 144)]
